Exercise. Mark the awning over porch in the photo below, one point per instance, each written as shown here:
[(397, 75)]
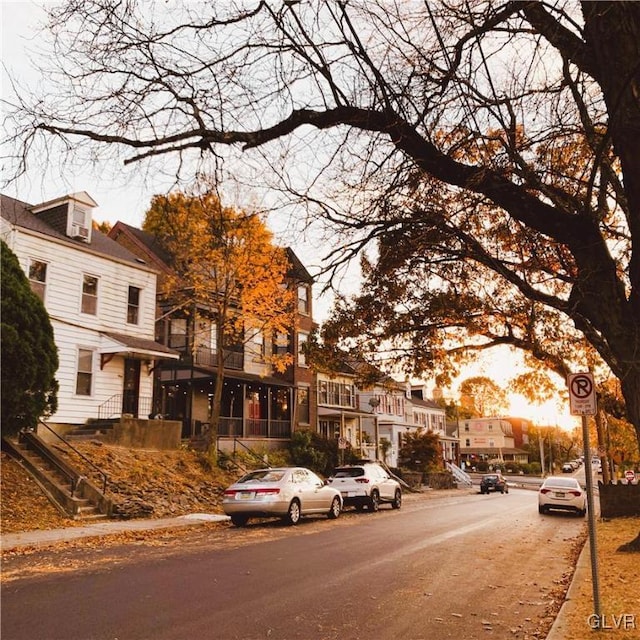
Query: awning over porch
[(121, 344), (337, 413), (196, 374)]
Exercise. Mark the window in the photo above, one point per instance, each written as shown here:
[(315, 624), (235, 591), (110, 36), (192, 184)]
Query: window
[(178, 333), (467, 442), (89, 294), (260, 345), (133, 305), (281, 344), (303, 405), (303, 299), (85, 372), (38, 277), (302, 353)]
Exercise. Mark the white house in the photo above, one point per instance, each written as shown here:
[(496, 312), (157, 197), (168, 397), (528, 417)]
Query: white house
[(101, 302)]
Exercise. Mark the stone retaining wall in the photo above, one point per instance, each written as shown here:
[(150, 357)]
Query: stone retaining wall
[(136, 433)]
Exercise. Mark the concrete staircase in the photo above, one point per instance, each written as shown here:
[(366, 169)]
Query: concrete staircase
[(71, 492), (460, 476)]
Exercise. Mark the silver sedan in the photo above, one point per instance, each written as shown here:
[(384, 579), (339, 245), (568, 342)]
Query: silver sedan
[(285, 492)]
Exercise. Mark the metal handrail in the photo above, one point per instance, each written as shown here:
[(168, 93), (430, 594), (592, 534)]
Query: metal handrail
[(105, 477), (253, 453)]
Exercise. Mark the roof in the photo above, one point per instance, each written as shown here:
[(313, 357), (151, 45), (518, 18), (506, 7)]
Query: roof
[(124, 343), (19, 213), (298, 270), (146, 240)]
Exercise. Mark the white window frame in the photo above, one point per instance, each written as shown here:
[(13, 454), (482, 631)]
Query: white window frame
[(84, 372), (39, 287), (131, 307), (88, 296)]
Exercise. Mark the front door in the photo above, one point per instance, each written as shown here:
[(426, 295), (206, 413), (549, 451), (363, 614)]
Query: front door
[(131, 387)]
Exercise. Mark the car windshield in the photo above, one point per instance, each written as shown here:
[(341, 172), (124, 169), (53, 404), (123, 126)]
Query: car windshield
[(264, 475), (351, 472), (569, 483)]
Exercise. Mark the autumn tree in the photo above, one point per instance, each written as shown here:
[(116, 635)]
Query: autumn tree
[(499, 140), (482, 397), (226, 272), (29, 353)]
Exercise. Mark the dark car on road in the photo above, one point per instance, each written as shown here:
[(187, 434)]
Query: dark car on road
[(493, 482)]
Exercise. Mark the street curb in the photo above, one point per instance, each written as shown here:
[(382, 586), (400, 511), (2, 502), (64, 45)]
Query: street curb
[(581, 575)]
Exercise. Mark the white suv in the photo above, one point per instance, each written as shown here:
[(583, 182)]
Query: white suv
[(366, 485)]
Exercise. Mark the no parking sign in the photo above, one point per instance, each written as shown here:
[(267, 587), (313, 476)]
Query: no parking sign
[(582, 394)]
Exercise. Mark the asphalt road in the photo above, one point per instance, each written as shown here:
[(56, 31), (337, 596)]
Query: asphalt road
[(457, 567)]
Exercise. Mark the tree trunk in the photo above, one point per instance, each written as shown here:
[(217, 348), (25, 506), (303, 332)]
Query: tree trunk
[(214, 429)]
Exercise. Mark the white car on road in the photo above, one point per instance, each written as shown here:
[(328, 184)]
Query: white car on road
[(564, 493)]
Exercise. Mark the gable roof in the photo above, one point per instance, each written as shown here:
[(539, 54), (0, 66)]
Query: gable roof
[(19, 214)]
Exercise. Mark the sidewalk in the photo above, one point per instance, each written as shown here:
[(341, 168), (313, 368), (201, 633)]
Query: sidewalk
[(43, 538)]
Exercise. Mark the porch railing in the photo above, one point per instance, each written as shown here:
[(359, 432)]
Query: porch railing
[(254, 427), (112, 408), (209, 358)]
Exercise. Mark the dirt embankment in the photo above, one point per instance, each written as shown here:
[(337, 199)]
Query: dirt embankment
[(154, 484)]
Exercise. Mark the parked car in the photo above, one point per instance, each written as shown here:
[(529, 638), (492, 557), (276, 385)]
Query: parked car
[(567, 467), (366, 485), (284, 492), (493, 482), (564, 493)]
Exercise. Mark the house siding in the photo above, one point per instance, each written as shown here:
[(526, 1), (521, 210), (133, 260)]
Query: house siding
[(67, 262)]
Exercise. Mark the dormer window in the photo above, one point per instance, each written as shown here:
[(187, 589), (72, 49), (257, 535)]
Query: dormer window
[(80, 222), (71, 215)]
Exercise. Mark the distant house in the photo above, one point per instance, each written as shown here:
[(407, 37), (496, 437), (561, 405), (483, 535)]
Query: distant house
[(101, 301), (489, 439), (259, 404), (431, 416)]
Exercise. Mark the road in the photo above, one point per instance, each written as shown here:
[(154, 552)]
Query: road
[(454, 567)]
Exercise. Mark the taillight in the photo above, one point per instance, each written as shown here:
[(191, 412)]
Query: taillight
[(230, 492), (545, 491), (362, 480), (268, 492), (577, 494)]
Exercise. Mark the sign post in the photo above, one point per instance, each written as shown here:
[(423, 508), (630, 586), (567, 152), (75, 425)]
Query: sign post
[(582, 400)]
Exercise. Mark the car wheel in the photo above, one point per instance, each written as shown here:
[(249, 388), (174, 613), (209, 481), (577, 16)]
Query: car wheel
[(374, 501), (502, 491), (397, 500), (335, 509), (541, 509), (293, 513), (582, 513), (239, 521)]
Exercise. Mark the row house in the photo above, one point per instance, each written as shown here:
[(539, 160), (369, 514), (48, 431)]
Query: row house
[(490, 439), (259, 404), (100, 298), (431, 416), (373, 421)]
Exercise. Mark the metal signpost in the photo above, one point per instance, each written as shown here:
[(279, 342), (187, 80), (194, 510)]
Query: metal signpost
[(582, 400)]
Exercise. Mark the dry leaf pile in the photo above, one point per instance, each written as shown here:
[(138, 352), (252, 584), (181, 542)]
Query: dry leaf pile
[(154, 484)]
